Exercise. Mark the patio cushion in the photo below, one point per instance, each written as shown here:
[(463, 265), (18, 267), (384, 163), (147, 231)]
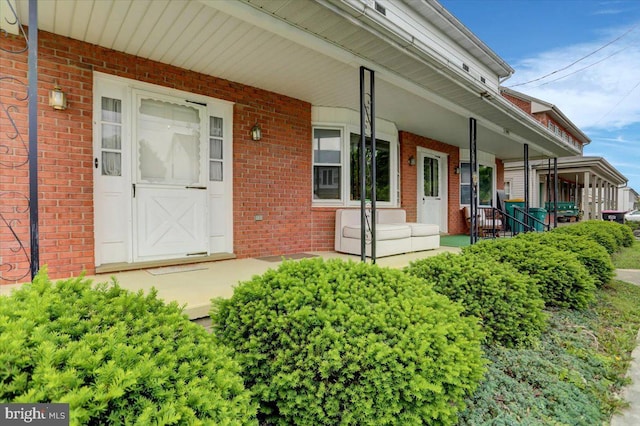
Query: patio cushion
[(383, 232)]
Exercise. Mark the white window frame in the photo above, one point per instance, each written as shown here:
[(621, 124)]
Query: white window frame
[(348, 126), (486, 160)]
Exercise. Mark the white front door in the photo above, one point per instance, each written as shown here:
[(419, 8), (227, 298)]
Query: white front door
[(432, 184), (170, 178)]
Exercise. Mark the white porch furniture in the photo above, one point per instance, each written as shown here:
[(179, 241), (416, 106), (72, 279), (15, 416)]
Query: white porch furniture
[(394, 235)]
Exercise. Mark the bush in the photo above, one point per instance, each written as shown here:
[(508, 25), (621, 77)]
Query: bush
[(327, 343), (599, 231), (507, 302), (591, 254), (563, 280), (115, 357)]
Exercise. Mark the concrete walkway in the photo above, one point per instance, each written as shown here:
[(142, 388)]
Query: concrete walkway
[(631, 415)]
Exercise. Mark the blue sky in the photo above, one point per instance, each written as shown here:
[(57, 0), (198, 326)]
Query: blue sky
[(601, 93)]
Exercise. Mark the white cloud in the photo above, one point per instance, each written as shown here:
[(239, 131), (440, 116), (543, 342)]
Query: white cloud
[(605, 95)]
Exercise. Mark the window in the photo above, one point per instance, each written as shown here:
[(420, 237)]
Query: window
[(111, 122), (327, 166), (431, 180), (383, 168), (485, 184), (215, 149), (169, 142)]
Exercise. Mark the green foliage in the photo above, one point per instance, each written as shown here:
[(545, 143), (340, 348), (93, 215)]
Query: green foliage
[(507, 302), (563, 280), (573, 377), (610, 235), (591, 254), (328, 343), (115, 357)]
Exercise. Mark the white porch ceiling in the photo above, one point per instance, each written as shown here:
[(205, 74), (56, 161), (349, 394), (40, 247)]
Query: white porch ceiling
[(306, 49)]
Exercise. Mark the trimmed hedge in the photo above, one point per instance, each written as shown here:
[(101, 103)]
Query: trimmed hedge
[(115, 357), (563, 280), (611, 235), (591, 254), (507, 302), (333, 342)]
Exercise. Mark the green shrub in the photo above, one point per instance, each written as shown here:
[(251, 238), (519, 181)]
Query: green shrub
[(115, 357), (591, 254), (563, 280), (598, 230), (507, 302), (327, 343)]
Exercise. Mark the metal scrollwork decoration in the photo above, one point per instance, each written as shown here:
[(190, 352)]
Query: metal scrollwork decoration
[(14, 155)]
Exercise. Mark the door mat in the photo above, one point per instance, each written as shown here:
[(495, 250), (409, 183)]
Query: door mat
[(294, 256), (176, 269)]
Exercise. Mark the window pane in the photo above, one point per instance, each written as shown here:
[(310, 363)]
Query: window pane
[(383, 169), (111, 138), (465, 173), (486, 185), (326, 183), (111, 164), (112, 110), (169, 142), (215, 171), (326, 146), (465, 194), (431, 178), (215, 149), (215, 127)]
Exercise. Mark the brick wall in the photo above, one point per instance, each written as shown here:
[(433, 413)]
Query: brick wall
[(271, 176)]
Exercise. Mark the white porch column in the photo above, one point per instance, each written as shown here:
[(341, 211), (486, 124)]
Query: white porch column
[(599, 204), (585, 196), (592, 208), (608, 196)]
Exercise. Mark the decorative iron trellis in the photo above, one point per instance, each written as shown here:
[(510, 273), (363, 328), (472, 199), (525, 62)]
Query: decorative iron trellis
[(17, 259)]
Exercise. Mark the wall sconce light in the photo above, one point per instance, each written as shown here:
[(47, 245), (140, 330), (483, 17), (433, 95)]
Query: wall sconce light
[(456, 170), (57, 99), (412, 160), (256, 132)]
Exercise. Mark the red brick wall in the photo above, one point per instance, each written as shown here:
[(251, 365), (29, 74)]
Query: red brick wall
[(520, 103), (271, 177), (409, 143)]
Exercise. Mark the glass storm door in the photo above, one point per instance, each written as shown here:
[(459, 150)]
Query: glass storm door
[(170, 179), (431, 197)]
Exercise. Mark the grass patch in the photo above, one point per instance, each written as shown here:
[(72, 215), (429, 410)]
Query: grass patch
[(628, 257), (572, 376)]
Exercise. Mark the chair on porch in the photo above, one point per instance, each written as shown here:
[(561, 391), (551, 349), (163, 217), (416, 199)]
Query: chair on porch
[(489, 221)]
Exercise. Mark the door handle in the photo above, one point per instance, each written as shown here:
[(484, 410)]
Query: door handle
[(95, 162), (134, 189)]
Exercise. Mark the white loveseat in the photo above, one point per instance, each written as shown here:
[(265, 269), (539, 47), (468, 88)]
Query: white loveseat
[(394, 235)]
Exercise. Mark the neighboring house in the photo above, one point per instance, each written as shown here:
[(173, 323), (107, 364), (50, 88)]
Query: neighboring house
[(628, 199), (580, 180), (154, 159)]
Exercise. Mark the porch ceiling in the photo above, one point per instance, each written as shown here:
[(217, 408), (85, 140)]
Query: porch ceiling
[(309, 50)]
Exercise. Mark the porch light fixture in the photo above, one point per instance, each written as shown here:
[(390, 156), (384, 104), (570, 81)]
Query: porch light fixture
[(456, 170), (412, 160), (57, 99), (256, 132)]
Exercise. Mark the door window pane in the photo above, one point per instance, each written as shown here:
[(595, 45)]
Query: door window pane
[(215, 149), (169, 142), (111, 137), (431, 183), (327, 169)]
